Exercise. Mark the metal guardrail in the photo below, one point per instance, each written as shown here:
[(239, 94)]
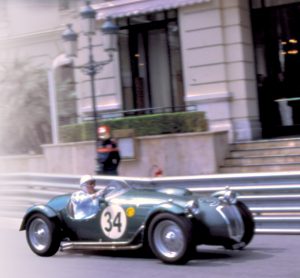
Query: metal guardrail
[(274, 199)]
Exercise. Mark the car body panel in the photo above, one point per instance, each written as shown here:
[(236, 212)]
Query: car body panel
[(135, 211), (43, 209), (125, 214)]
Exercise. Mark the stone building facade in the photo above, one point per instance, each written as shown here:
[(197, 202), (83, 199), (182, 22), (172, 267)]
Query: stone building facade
[(206, 55)]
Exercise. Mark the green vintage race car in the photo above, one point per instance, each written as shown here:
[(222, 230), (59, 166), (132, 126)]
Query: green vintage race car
[(170, 222)]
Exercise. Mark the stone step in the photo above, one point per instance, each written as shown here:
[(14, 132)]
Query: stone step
[(259, 160), (265, 152), (265, 144), (260, 168)]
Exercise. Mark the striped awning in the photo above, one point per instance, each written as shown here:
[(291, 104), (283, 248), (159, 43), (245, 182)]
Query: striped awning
[(125, 8)]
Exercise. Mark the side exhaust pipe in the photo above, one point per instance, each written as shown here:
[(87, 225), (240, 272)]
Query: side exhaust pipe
[(105, 246), (98, 246)]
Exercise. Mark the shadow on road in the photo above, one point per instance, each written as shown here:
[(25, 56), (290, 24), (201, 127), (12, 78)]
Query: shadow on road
[(214, 256), (211, 255)]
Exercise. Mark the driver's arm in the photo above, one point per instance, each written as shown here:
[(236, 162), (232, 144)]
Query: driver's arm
[(97, 194)]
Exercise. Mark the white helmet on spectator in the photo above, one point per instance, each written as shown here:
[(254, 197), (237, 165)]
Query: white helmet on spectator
[(86, 179)]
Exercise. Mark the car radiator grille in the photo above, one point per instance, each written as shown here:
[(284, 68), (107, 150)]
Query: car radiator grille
[(233, 220)]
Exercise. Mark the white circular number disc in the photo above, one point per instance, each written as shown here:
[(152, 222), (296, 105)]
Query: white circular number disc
[(113, 221)]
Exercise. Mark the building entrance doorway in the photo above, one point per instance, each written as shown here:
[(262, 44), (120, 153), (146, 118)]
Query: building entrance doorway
[(151, 63), (276, 30)]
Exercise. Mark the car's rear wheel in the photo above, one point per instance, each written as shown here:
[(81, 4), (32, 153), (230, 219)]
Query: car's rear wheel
[(42, 235), (170, 238), (249, 224)]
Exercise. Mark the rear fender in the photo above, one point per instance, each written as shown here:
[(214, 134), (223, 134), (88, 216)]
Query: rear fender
[(43, 209)]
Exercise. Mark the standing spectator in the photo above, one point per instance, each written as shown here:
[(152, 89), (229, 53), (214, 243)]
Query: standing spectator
[(108, 157)]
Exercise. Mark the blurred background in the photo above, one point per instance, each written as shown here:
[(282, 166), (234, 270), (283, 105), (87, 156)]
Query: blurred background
[(233, 62)]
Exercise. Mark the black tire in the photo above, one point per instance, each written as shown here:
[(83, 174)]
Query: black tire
[(170, 238), (42, 235), (249, 224)]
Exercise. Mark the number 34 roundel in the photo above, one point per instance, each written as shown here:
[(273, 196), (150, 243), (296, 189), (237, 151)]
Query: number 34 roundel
[(113, 221)]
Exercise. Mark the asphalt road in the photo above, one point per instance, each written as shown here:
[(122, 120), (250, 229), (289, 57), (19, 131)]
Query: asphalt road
[(266, 256)]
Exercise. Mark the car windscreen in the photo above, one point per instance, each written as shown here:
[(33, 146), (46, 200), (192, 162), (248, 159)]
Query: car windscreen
[(116, 188)]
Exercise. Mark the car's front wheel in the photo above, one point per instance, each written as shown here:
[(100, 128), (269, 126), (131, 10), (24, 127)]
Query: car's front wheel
[(42, 235), (170, 238)]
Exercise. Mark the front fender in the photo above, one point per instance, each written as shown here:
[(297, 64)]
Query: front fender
[(43, 209), (168, 207), (165, 207)]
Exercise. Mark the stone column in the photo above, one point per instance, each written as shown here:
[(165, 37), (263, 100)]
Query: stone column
[(218, 65)]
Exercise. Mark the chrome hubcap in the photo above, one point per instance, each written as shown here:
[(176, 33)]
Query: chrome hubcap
[(39, 234), (169, 239)]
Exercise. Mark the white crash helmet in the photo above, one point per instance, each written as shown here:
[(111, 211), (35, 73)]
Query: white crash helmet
[(84, 180)]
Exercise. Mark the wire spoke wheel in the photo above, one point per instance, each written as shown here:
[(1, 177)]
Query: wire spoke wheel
[(42, 235), (39, 234), (169, 239)]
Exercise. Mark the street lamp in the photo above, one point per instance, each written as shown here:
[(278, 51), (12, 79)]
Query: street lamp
[(92, 67)]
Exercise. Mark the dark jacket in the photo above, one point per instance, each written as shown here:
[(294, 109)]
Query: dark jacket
[(108, 157)]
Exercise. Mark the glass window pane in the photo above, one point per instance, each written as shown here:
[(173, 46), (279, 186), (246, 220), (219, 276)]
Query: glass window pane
[(138, 20), (159, 69), (151, 63), (176, 70), (172, 14), (126, 71), (277, 50)]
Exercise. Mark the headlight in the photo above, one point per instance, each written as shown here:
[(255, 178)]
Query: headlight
[(192, 207), (230, 197), (226, 196)]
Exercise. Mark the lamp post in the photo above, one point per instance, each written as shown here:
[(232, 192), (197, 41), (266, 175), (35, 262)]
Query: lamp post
[(92, 67)]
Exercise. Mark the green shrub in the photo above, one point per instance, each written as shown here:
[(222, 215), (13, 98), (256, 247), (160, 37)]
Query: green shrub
[(144, 125)]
